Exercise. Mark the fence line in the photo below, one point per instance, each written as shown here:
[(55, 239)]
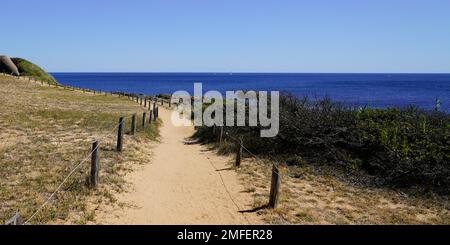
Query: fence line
[(142, 100), (93, 171), (276, 163), (17, 219), (275, 178), (276, 175), (60, 186), (94, 149)]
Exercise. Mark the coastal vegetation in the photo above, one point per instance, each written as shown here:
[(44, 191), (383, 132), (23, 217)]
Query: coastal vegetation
[(46, 131), (402, 148), (343, 165), (29, 69)]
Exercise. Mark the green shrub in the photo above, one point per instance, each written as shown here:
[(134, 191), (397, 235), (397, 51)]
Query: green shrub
[(406, 147), (26, 68)]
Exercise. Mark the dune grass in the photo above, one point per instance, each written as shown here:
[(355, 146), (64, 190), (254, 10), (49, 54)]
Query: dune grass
[(46, 132), (28, 69)]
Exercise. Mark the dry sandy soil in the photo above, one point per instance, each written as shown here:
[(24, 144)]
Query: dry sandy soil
[(183, 184)]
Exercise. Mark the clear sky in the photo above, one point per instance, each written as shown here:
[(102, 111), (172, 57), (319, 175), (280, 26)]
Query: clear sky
[(229, 35)]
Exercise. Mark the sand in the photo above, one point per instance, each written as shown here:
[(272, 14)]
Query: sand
[(183, 184)]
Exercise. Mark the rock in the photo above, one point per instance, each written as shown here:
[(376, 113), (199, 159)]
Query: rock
[(8, 66)]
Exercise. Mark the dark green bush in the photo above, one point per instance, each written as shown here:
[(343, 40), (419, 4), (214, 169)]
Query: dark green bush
[(406, 147)]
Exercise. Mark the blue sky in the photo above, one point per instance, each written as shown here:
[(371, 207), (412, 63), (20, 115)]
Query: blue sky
[(231, 35)]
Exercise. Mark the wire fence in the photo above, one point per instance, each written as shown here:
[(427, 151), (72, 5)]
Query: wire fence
[(276, 175), (151, 102), (93, 153), (72, 172), (61, 185)]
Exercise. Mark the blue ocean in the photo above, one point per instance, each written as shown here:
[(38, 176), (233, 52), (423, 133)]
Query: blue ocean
[(373, 90)]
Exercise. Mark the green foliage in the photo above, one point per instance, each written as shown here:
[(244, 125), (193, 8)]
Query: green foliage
[(26, 68), (405, 147)]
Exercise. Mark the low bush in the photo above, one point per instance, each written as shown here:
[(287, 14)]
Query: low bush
[(406, 147), (26, 68)]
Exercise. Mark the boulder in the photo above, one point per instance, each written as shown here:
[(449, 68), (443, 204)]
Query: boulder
[(8, 66)]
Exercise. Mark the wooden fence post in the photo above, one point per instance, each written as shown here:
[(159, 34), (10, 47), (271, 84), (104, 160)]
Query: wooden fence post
[(239, 144), (95, 157), (154, 106), (133, 124), (120, 134), (162, 102), (157, 112), (170, 103), (145, 102), (150, 118), (144, 117), (220, 135), (140, 98), (274, 187)]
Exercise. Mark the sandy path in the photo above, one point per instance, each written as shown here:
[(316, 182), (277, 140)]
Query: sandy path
[(182, 186)]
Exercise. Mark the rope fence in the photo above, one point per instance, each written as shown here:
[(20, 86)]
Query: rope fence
[(93, 154), (276, 174), (152, 103)]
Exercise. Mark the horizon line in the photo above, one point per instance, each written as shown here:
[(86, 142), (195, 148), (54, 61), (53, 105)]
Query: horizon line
[(250, 72)]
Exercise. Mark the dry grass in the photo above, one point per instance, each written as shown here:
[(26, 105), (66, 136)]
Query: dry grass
[(317, 197), (317, 194), (45, 132)]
